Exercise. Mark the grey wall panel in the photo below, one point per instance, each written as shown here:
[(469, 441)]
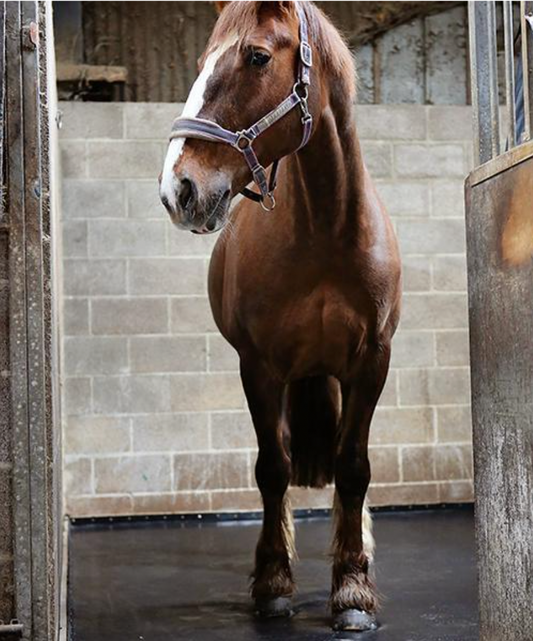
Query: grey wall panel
[(401, 62), (446, 38)]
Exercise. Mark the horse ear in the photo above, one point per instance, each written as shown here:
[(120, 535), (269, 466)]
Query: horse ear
[(219, 6)]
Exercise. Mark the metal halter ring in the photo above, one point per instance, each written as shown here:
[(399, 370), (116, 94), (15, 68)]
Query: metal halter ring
[(268, 202), (243, 142)]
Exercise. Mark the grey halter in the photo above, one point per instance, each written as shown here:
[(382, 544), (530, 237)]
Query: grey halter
[(242, 140)]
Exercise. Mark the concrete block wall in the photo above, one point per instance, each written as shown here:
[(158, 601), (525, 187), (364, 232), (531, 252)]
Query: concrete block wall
[(155, 419)]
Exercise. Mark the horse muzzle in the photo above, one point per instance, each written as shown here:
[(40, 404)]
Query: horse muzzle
[(196, 210)]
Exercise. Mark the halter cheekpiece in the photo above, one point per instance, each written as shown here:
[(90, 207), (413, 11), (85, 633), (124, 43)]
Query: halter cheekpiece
[(243, 140)]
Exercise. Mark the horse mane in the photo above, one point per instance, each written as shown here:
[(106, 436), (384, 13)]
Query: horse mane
[(241, 18)]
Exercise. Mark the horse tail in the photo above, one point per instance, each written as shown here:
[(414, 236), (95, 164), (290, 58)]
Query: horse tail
[(313, 412)]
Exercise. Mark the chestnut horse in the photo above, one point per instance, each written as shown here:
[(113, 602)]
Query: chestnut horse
[(309, 293)]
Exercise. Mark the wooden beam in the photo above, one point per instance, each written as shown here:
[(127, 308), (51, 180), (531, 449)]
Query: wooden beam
[(375, 18), (91, 73)]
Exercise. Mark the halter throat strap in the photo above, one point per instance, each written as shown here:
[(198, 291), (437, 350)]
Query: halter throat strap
[(242, 141)]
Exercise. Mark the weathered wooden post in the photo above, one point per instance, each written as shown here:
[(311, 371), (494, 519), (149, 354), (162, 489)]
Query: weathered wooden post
[(499, 197), (29, 425)]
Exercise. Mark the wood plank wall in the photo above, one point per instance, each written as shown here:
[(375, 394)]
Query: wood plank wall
[(422, 61)]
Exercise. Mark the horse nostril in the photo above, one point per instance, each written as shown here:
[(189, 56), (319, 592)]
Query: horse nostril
[(187, 195)]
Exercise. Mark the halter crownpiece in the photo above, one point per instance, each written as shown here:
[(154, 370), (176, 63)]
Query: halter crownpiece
[(242, 140)]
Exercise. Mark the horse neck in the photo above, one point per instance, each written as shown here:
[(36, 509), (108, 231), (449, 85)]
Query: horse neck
[(328, 176)]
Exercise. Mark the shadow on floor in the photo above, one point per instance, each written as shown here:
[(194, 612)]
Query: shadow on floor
[(188, 581)]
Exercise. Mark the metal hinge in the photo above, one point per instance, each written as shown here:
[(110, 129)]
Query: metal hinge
[(30, 35), (11, 628)]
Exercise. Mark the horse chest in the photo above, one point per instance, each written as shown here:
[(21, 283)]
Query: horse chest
[(307, 335)]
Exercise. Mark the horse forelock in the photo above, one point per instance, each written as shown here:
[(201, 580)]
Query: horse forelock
[(239, 20)]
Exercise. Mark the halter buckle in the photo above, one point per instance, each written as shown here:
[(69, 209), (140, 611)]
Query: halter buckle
[(306, 54)]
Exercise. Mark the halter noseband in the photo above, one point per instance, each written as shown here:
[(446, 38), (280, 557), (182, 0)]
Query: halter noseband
[(242, 140)]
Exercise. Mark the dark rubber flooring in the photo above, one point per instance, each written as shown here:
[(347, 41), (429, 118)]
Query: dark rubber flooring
[(188, 581)]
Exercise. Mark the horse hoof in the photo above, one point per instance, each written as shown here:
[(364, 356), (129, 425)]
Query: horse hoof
[(354, 620), (270, 608)]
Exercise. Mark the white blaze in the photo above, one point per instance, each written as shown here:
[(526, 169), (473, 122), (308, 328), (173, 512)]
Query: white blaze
[(195, 101)]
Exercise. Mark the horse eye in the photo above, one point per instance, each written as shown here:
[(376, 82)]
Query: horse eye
[(259, 58)]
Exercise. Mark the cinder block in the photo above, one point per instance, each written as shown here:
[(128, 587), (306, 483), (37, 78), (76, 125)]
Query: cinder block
[(391, 122), (142, 197), (454, 424), (214, 471), (76, 397), (73, 159), (453, 462), (150, 120), (206, 392), (116, 475), (236, 501), (232, 431), (181, 276), (434, 311), (75, 316), (94, 277), (416, 273), (191, 315), (388, 396), (431, 236), (447, 198), (452, 348), (456, 492), (77, 476), (126, 238), (450, 386), (405, 198), (115, 505), (311, 498), (129, 316), (92, 199), (96, 435), (413, 349), (469, 157), (402, 425), (414, 387), (182, 243), (171, 503), (131, 394), (74, 238), (222, 356), (451, 122), (86, 355), (449, 273), (170, 432), (410, 494), (385, 464), (85, 120), (168, 354), (429, 160), (418, 463), (125, 159), (378, 158)]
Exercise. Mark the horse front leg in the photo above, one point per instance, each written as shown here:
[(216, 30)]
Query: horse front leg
[(353, 597), (273, 584)]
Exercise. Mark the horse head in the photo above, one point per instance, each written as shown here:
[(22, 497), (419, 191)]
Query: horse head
[(255, 69)]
